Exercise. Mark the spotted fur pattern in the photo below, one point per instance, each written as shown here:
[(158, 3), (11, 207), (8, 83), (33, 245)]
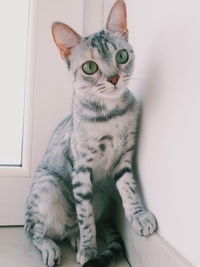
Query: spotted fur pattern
[(89, 157)]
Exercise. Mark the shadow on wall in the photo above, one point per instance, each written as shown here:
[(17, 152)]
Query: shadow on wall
[(148, 100)]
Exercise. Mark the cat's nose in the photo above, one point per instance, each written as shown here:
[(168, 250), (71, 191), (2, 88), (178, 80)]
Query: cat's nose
[(113, 79)]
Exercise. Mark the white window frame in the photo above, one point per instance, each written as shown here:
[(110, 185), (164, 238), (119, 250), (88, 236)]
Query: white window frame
[(15, 181), (23, 171)]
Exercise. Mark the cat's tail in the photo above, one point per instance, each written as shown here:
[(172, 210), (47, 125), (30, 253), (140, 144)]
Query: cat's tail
[(114, 248)]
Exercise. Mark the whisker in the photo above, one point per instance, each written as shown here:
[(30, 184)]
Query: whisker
[(99, 84), (93, 94), (83, 87), (134, 78), (140, 72), (103, 87), (135, 74), (98, 90), (103, 110)]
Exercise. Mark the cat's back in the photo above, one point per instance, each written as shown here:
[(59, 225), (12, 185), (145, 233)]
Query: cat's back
[(62, 132), (57, 157)]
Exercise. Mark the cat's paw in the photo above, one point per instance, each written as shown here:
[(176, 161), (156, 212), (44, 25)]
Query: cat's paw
[(85, 254), (145, 223), (51, 254)]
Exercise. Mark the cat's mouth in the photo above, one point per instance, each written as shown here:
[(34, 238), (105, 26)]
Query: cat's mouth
[(112, 92), (115, 87), (111, 89)]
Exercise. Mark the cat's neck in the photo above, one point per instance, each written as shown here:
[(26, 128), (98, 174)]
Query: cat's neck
[(95, 106)]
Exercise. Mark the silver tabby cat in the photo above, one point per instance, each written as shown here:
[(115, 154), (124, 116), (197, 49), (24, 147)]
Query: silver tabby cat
[(90, 153)]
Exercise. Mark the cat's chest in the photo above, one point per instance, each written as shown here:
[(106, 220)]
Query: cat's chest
[(112, 135), (99, 145)]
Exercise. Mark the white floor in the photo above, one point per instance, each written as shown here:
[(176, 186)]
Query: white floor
[(17, 251)]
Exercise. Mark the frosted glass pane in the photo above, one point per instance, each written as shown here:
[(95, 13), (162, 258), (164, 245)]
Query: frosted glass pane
[(13, 42)]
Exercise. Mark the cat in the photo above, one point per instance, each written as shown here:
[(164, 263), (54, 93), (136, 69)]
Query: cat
[(89, 158)]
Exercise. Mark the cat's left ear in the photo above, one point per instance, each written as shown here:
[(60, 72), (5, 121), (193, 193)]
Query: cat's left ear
[(117, 19), (65, 38)]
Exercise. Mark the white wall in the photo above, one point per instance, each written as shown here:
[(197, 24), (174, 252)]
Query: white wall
[(53, 87), (166, 40)]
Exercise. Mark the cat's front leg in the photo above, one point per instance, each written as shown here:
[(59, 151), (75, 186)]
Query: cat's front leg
[(143, 221), (82, 189)]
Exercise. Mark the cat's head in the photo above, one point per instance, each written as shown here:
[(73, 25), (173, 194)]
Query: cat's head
[(100, 64)]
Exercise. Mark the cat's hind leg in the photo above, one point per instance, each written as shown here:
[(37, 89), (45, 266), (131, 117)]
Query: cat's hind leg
[(46, 217), (50, 251)]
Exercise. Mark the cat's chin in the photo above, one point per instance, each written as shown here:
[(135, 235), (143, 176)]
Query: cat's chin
[(113, 93)]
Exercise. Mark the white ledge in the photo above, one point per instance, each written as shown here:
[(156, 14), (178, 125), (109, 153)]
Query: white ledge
[(151, 251)]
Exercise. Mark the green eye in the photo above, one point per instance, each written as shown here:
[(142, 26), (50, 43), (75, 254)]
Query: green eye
[(90, 67), (122, 56)]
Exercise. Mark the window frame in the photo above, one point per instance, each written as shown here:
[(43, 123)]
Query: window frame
[(23, 170)]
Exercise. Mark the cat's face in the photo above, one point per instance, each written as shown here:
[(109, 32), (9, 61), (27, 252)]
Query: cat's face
[(101, 65)]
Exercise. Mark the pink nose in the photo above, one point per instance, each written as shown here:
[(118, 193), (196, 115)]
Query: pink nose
[(113, 79)]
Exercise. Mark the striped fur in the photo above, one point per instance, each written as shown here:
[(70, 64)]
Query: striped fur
[(89, 158)]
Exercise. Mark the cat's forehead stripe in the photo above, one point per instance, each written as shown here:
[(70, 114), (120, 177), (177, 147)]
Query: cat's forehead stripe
[(91, 53), (101, 42)]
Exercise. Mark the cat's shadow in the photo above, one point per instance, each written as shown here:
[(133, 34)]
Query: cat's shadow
[(152, 93), (135, 165)]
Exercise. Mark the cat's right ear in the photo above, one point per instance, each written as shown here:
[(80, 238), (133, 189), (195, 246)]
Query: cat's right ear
[(117, 19), (65, 38)]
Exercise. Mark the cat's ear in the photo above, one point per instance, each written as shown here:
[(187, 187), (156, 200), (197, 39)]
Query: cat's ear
[(117, 19), (65, 38)]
